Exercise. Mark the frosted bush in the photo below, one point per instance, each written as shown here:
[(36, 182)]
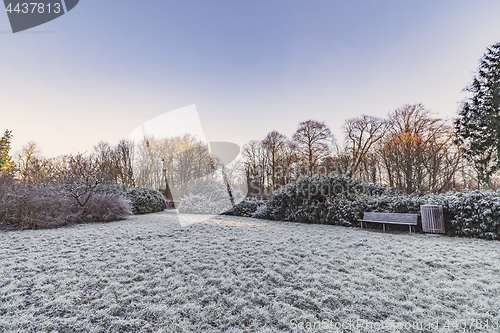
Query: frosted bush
[(326, 199), (105, 207), (30, 206), (470, 214), (341, 209), (208, 197), (145, 201), (247, 208), (261, 212)]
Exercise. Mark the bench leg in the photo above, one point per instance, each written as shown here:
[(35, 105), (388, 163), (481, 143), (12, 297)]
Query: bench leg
[(384, 226), (410, 229)]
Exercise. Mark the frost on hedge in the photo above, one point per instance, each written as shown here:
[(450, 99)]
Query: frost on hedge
[(250, 207), (145, 201), (339, 200), (471, 213), (208, 197), (326, 199)]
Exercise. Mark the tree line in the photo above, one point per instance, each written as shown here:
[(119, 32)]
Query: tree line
[(167, 164), (410, 150)]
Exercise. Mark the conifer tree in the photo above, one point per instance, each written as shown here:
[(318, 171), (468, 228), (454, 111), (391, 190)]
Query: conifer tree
[(478, 124), (7, 166)]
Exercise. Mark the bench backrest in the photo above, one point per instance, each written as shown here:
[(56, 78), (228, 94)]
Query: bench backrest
[(391, 217)]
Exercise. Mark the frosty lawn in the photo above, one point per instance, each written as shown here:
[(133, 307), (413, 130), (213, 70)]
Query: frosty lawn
[(230, 274)]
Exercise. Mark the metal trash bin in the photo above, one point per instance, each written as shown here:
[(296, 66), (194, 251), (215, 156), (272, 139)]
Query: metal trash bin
[(432, 219)]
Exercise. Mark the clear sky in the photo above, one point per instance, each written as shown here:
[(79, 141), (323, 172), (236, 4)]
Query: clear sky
[(250, 66)]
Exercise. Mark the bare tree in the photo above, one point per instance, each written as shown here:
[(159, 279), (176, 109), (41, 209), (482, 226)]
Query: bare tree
[(148, 167), (362, 133), (116, 161), (418, 153), (81, 176), (286, 163), (42, 169), (105, 158), (312, 141), (370, 168), (442, 159), (25, 159), (255, 158), (274, 143), (339, 161), (178, 159), (124, 157)]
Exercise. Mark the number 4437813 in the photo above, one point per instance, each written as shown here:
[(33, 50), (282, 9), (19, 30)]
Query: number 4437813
[(34, 7)]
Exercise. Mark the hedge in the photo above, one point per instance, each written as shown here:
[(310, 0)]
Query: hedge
[(339, 200)]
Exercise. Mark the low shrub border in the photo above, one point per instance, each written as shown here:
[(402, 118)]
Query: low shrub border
[(40, 206), (338, 200)]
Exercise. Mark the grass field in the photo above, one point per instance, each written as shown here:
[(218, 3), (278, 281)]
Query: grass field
[(229, 274)]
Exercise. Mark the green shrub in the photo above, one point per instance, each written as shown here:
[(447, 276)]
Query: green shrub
[(145, 201), (471, 213), (337, 200), (248, 208), (328, 199), (261, 212)]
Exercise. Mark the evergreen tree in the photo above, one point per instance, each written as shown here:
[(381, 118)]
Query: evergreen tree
[(478, 124), (6, 164)]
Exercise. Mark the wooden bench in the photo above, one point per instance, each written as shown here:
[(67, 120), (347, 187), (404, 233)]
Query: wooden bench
[(390, 218)]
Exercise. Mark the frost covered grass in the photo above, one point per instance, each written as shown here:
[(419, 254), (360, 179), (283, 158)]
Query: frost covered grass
[(234, 274)]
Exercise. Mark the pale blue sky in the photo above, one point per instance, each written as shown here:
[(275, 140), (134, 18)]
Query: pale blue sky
[(250, 67)]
